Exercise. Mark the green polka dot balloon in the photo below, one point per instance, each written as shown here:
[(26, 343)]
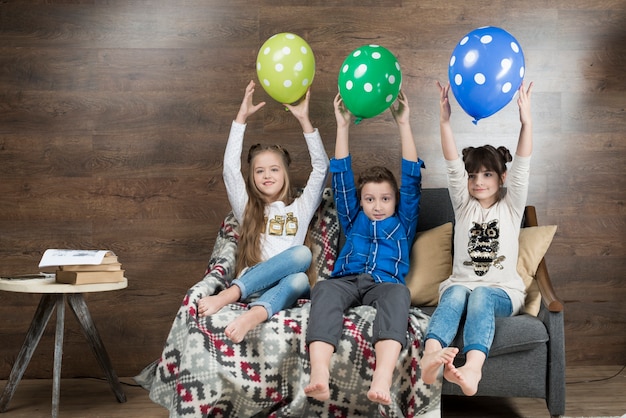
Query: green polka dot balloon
[(369, 81), (285, 66)]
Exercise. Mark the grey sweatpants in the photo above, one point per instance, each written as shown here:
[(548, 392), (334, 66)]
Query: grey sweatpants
[(332, 297)]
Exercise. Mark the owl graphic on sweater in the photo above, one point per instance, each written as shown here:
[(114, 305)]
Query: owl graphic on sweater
[(483, 246)]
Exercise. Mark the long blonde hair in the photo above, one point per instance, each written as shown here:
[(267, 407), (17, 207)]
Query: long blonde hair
[(253, 225)]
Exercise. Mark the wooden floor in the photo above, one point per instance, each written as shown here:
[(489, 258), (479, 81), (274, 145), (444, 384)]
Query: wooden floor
[(592, 391)]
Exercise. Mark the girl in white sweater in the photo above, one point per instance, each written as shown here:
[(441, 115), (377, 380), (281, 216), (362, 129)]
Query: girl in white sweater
[(484, 283), (272, 259)]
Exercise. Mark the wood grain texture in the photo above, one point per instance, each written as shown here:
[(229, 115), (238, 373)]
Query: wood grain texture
[(114, 117), (591, 391)]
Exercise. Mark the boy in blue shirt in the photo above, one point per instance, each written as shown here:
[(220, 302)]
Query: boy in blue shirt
[(379, 222)]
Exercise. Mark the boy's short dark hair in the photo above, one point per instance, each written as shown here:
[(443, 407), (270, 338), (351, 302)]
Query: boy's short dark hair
[(377, 174)]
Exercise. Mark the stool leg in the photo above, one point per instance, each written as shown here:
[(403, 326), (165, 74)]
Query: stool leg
[(79, 307), (35, 331), (58, 355)]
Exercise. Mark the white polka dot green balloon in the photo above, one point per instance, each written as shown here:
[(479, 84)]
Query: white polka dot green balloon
[(369, 81), (285, 67)]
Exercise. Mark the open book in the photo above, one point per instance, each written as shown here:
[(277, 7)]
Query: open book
[(55, 257)]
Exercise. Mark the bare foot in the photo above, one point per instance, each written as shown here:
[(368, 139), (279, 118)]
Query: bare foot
[(387, 352), (381, 385), (209, 305), (236, 331), (318, 388), (320, 354), (379, 396), (431, 363), (466, 377)]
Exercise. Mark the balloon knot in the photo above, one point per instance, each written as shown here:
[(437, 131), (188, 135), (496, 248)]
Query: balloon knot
[(475, 121), (357, 121)]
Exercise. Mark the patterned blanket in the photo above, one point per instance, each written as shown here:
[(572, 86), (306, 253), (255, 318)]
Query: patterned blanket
[(201, 373)]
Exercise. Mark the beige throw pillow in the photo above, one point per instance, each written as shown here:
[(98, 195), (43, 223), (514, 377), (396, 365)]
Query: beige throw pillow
[(534, 242), (431, 264)]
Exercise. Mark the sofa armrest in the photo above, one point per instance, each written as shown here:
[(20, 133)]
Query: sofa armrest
[(551, 314), (548, 294), (555, 390)]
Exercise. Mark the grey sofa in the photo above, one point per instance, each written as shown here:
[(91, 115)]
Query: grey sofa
[(201, 370), (527, 358)]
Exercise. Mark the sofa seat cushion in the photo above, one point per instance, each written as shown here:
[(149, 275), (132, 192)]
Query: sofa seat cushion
[(518, 333), (513, 334)]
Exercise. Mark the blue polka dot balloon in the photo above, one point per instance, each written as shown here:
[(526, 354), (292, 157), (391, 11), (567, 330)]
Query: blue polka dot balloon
[(486, 70)]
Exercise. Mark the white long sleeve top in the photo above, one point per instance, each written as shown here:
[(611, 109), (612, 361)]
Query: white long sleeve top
[(295, 217), (486, 241)]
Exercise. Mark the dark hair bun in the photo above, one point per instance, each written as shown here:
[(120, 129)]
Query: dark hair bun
[(466, 151), (506, 154)]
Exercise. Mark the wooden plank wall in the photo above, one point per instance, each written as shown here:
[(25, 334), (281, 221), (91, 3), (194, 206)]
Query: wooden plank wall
[(114, 116)]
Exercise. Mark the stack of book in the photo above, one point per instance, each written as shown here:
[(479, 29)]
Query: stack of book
[(84, 266)]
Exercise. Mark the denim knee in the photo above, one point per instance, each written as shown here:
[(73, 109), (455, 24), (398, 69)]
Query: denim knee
[(456, 295), (484, 305), (446, 319), (301, 255), (454, 301), (300, 285), (493, 297), (481, 296)]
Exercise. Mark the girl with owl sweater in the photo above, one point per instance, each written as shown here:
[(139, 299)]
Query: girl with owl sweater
[(484, 283)]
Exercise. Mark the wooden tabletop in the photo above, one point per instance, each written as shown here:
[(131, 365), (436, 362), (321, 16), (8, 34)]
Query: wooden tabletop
[(48, 285)]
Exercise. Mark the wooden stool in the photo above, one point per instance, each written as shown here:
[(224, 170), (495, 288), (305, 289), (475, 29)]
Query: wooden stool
[(53, 296)]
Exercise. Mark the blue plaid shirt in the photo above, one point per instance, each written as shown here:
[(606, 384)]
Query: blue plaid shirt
[(379, 248)]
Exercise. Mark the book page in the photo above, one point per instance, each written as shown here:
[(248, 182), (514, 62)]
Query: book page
[(56, 257)]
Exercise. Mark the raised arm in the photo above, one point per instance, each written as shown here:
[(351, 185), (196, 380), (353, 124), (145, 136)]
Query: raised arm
[(342, 146), (525, 142), (311, 196), (247, 108), (233, 178), (448, 145), (301, 112), (401, 114)]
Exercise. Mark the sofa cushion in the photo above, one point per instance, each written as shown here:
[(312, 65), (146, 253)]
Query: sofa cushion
[(431, 263), (533, 244), (517, 333)]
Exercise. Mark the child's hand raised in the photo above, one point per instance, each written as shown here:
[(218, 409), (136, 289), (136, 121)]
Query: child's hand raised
[(247, 108), (401, 111), (342, 114), (523, 101), (444, 103), (301, 112)]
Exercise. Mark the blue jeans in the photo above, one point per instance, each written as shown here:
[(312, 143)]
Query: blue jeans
[(279, 281), (480, 307)]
